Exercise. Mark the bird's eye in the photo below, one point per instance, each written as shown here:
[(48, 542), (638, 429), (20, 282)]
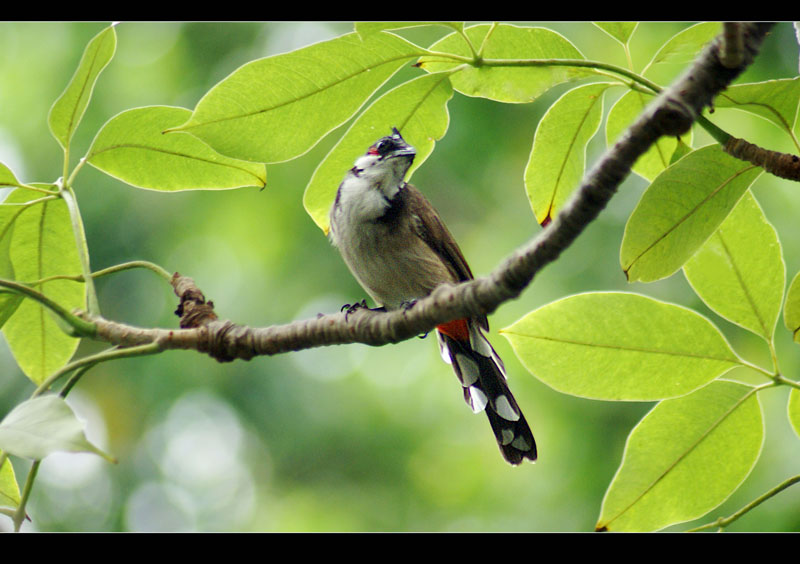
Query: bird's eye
[(381, 147)]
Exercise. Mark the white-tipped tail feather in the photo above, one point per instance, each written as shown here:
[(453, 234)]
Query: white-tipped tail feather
[(482, 376)]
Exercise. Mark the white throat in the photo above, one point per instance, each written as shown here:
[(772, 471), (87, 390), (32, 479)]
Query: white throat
[(368, 189)]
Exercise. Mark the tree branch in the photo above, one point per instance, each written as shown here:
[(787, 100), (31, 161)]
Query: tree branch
[(671, 113)]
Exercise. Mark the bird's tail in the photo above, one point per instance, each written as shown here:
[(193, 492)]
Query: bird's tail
[(482, 375)]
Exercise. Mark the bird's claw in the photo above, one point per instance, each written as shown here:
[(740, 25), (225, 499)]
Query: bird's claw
[(350, 308), (408, 305)]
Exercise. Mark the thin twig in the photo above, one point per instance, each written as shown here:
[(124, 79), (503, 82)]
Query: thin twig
[(723, 522)]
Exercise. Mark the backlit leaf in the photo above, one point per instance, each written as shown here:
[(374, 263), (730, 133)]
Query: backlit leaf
[(685, 458), (558, 158), (618, 346), (67, 111), (277, 108), (41, 245), (680, 210), (739, 271), (133, 147), (508, 83)]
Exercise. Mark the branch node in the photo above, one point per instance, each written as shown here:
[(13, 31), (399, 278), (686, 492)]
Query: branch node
[(193, 309), (673, 117), (225, 342)]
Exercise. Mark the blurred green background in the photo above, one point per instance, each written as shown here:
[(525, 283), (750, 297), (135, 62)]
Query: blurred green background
[(348, 438)]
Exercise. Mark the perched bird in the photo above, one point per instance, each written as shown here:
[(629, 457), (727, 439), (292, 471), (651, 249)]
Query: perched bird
[(399, 250)]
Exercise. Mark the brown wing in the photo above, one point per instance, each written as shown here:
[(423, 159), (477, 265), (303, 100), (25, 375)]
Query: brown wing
[(433, 231)]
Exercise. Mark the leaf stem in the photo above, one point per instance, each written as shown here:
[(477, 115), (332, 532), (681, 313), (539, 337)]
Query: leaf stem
[(19, 515), (29, 187), (81, 328), (89, 361), (78, 167), (110, 270), (65, 169), (718, 134), (74, 379), (475, 55), (780, 379), (486, 40), (723, 522), (80, 242), (599, 67), (757, 368), (43, 199)]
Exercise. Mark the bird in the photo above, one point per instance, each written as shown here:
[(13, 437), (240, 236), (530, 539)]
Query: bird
[(399, 250)]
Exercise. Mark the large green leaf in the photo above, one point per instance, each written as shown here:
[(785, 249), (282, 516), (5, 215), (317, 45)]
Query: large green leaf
[(739, 272), (774, 100), (277, 108), (508, 82), (617, 346), (131, 146), (558, 158), (685, 458), (41, 426), (680, 210), (67, 111), (418, 108), (622, 114), (41, 245)]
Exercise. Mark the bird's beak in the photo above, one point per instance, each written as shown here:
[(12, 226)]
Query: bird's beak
[(406, 151)]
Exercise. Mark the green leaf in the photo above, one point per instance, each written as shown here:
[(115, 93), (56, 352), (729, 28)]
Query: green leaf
[(774, 100), (277, 108), (9, 301), (43, 425), (681, 150), (558, 158), (9, 489), (791, 311), (683, 47), (41, 245), (7, 178), (793, 409), (367, 29), (133, 148), (418, 108), (680, 210), (685, 458), (618, 346), (622, 114), (508, 83), (621, 31), (739, 272), (67, 111)]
